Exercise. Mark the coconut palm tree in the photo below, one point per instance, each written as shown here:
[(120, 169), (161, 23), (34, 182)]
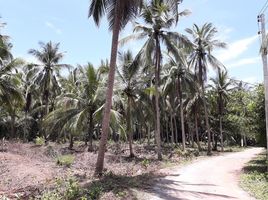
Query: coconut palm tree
[(10, 96), (203, 44), (5, 46), (159, 18), (119, 13), (128, 77), (221, 85), (82, 97), (179, 70), (46, 77)]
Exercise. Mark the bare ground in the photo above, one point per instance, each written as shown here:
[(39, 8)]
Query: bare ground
[(215, 178), (26, 169)]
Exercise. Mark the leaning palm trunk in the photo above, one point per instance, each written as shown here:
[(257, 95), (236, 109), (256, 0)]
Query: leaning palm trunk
[(181, 115), (109, 92), (157, 74), (129, 131)]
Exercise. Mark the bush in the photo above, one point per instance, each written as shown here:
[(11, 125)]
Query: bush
[(66, 189), (95, 191), (40, 141), (65, 160)]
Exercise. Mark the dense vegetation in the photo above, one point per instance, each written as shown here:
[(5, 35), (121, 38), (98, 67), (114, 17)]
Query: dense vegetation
[(162, 93)]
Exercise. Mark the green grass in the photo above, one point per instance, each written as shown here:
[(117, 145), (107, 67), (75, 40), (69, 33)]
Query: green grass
[(255, 178), (65, 160)]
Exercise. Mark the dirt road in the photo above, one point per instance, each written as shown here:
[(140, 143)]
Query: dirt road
[(215, 178)]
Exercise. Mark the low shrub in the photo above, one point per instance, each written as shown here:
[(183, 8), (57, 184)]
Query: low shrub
[(39, 141), (65, 160)]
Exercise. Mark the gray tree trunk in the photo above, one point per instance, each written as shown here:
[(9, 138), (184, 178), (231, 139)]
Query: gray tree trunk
[(109, 92)]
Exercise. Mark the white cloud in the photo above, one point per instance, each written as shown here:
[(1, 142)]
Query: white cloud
[(237, 48), (53, 27), (243, 62), (224, 33)]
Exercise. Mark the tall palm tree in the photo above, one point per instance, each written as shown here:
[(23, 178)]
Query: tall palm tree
[(221, 85), (179, 69), (46, 77), (128, 76), (119, 13), (159, 18), (204, 43)]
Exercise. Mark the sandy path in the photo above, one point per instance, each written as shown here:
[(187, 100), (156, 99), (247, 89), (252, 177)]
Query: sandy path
[(215, 178)]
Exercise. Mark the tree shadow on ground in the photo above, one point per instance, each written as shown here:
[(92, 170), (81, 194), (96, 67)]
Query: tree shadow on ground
[(149, 183), (258, 164)]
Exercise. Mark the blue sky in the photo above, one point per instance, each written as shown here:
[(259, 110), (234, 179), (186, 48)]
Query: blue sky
[(65, 21)]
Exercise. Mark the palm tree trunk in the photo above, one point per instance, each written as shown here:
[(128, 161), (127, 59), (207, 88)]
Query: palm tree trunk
[(157, 80), (109, 92), (90, 131), (181, 115), (25, 127), (71, 141), (172, 130), (12, 124), (196, 130), (129, 131), (221, 135), (207, 121), (149, 135), (176, 130)]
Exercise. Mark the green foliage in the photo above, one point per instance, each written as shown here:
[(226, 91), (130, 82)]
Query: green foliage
[(145, 163), (39, 141), (65, 160), (66, 189), (94, 191), (258, 115)]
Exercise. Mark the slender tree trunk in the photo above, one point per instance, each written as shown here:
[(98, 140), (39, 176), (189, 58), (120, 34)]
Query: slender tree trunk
[(191, 134), (129, 131), (25, 127), (109, 92), (221, 135), (149, 135), (71, 145), (12, 124), (176, 130), (90, 131), (181, 114), (157, 81), (207, 120), (172, 130), (213, 138), (167, 135), (196, 130)]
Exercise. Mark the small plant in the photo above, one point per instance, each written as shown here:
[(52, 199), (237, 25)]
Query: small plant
[(65, 160), (95, 191), (145, 163), (72, 189), (40, 141)]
